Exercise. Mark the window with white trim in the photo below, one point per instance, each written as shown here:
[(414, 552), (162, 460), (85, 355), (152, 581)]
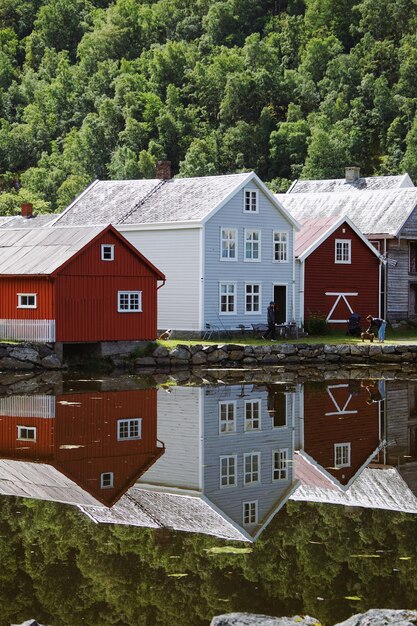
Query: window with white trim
[(26, 433), (252, 245), (342, 250), (251, 468), (251, 201), (280, 247), (252, 415), (280, 464), (129, 429), (107, 252), (250, 512), (228, 244), (227, 417), (228, 465), (26, 300), (227, 298), (106, 480), (252, 298), (342, 454), (129, 301)]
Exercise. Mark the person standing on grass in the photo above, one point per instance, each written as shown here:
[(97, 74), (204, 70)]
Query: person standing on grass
[(271, 322), (378, 323)]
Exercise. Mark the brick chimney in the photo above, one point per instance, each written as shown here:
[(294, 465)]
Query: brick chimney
[(26, 209), (352, 173), (163, 170)]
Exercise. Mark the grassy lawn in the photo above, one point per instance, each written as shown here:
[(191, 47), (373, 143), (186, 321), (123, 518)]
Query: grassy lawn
[(406, 336)]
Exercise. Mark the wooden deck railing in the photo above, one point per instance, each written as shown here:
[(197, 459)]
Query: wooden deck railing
[(28, 330)]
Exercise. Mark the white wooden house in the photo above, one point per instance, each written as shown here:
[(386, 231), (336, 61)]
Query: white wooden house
[(225, 243)]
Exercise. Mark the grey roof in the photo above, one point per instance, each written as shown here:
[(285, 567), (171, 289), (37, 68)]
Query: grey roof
[(371, 183), (142, 507), (37, 221), (373, 489), (41, 250), (40, 481), (150, 201), (373, 212)]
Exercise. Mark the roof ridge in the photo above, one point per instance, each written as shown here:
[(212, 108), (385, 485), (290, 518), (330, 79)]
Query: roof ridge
[(142, 201)]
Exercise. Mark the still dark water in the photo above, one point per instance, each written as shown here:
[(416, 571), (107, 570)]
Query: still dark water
[(125, 503)]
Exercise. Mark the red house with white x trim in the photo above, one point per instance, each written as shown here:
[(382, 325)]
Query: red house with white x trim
[(339, 271)]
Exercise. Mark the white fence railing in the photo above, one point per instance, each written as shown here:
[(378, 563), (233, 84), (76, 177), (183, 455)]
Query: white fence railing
[(28, 330), (28, 406)]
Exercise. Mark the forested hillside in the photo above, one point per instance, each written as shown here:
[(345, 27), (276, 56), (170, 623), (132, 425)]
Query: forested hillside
[(290, 88)]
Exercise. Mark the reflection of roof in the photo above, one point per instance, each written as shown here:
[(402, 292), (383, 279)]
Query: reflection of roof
[(141, 507), (359, 184), (373, 212), (373, 489)]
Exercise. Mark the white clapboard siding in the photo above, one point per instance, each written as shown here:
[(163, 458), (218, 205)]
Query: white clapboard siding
[(28, 330), (28, 406)]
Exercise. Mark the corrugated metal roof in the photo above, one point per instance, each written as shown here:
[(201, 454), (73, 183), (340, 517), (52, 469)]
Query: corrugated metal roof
[(150, 201), (41, 250), (371, 183), (311, 230), (373, 212)]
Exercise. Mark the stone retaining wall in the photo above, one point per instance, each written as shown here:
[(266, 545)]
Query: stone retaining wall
[(235, 355), (28, 356)]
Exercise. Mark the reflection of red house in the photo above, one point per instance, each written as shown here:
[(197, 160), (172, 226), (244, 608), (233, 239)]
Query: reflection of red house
[(103, 441), (84, 284), (341, 430), (339, 271)]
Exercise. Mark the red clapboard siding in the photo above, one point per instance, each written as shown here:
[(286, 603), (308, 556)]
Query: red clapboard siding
[(323, 275), (41, 450), (322, 431), (10, 287)]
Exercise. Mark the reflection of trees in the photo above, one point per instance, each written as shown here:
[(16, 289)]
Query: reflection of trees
[(58, 565)]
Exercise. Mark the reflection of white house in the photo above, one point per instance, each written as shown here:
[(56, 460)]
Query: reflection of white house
[(228, 459)]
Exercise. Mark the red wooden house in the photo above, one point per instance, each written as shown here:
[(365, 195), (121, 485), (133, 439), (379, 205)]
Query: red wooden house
[(101, 441), (72, 285), (339, 271), (342, 431)]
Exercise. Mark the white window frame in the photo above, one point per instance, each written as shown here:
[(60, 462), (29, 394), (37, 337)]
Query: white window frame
[(107, 249), (20, 297), (228, 284), (132, 421), (250, 512), (248, 239), (252, 299), (231, 236), (227, 419), (130, 295), (106, 483), (250, 195), (252, 476), (252, 419), (346, 244), (287, 409), (229, 476), (281, 242), (24, 429), (342, 450), (280, 464)]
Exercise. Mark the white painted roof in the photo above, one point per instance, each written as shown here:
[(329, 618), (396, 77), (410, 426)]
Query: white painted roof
[(373, 212), (41, 250), (371, 183), (37, 221)]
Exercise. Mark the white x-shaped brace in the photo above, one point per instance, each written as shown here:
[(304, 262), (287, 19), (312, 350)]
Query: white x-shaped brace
[(339, 296), (340, 410)]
